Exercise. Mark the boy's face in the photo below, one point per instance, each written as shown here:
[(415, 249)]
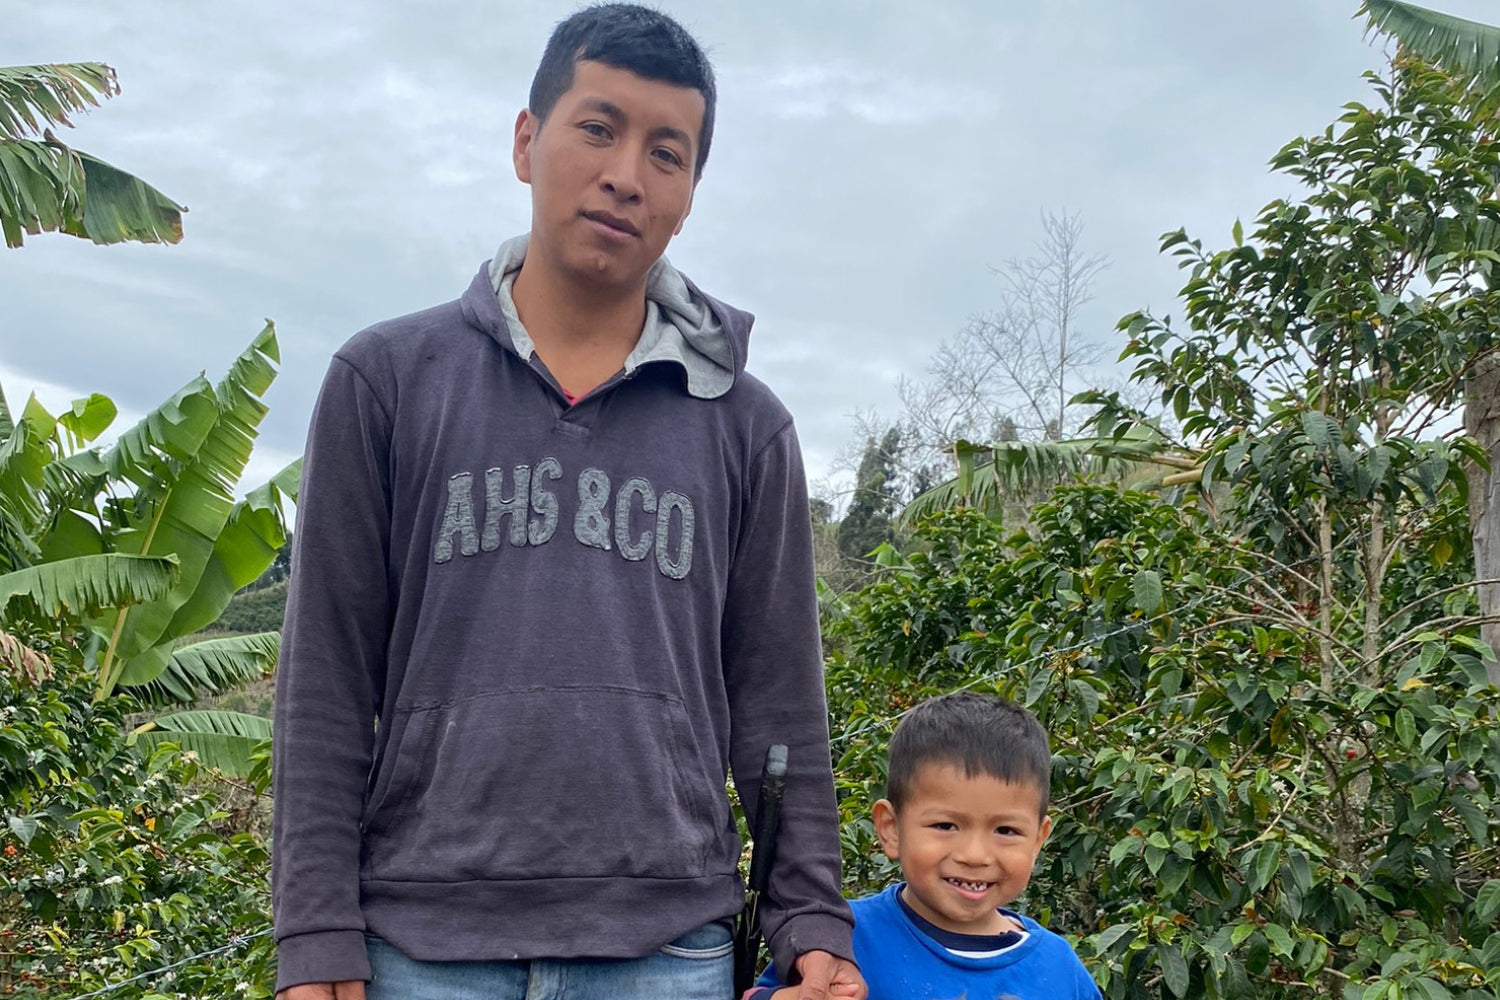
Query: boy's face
[(611, 173), (966, 845)]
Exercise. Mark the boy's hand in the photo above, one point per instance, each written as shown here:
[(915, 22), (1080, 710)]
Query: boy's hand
[(353, 990), (825, 976)]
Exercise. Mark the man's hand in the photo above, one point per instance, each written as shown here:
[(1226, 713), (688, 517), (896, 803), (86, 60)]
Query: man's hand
[(825, 976), (352, 990)]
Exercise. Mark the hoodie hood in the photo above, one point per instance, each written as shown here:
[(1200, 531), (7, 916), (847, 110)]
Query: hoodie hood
[(707, 339)]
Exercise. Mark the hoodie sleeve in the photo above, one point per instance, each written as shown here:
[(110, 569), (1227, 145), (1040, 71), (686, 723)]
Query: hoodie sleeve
[(329, 682), (773, 668)]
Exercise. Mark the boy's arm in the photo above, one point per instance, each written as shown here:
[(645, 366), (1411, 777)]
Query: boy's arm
[(329, 683), (773, 669)]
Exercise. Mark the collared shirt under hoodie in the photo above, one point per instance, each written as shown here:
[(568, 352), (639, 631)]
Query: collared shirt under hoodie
[(569, 621), (680, 324)]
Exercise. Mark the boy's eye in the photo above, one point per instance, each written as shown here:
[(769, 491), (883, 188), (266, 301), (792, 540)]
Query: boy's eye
[(1007, 831), (944, 825)]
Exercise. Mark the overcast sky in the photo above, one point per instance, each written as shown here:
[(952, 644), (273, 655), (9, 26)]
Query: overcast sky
[(873, 161)]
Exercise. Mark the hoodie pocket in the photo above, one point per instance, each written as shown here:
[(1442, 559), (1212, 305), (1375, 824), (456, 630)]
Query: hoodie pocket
[(586, 781)]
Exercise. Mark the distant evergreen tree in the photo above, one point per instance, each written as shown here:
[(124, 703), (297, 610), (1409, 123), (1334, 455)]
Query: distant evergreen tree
[(868, 521)]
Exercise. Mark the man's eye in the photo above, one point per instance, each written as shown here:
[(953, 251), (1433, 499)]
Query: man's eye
[(668, 156), (595, 129)]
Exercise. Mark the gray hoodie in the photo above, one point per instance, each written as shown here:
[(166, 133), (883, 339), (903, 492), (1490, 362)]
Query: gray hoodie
[(526, 641)]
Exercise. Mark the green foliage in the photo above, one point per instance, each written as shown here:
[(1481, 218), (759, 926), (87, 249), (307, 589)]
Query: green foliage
[(1223, 825), (212, 667), (88, 584), (1467, 49), (229, 739), (1323, 351), (144, 544), (990, 475), (94, 535), (46, 186), (184, 460), (114, 863), (867, 524)]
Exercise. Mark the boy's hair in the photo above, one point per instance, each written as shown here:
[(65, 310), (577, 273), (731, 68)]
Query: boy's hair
[(982, 734), (627, 36)]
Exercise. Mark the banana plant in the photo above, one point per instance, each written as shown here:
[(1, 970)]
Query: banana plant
[(48, 186), (143, 544), (1469, 50), (989, 475)]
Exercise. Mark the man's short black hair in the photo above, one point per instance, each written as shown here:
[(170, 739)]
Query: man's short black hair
[(628, 36), (979, 733)]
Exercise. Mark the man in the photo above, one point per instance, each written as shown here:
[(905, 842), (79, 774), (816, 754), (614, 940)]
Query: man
[(556, 540)]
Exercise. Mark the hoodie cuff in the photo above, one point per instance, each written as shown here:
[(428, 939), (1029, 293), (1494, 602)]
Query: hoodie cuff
[(321, 957), (810, 932)]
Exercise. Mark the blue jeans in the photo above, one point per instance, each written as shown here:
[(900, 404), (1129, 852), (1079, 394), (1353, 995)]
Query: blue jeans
[(697, 966)]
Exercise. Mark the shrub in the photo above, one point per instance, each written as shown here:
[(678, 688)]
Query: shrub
[(1224, 825), (110, 864)]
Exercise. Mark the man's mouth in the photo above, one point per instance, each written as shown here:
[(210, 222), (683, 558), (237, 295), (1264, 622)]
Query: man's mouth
[(613, 222)]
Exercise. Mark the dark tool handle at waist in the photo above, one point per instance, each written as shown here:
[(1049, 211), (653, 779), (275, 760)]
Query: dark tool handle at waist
[(747, 935), (768, 817)]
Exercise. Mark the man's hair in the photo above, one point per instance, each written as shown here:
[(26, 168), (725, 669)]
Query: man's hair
[(981, 734), (627, 36)]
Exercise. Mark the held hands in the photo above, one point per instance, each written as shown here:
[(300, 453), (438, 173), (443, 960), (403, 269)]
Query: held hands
[(353, 990), (825, 977)]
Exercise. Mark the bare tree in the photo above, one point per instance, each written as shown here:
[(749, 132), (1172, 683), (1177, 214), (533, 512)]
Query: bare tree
[(1008, 374)]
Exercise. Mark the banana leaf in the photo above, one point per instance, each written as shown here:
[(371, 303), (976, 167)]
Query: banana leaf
[(85, 584), (1465, 49), (223, 740), (33, 97), (187, 458), (210, 667)]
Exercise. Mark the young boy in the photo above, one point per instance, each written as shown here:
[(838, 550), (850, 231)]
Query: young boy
[(966, 817), (555, 539)]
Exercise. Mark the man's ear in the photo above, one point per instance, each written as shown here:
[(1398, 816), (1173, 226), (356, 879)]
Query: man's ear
[(526, 129), (887, 829), (686, 211)]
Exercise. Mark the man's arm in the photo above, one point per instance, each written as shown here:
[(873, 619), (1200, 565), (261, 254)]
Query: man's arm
[(773, 668), (329, 682), (823, 975)]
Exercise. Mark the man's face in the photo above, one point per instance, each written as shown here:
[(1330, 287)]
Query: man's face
[(611, 173), (966, 845)]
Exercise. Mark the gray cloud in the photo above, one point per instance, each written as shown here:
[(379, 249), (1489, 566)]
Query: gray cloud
[(344, 163)]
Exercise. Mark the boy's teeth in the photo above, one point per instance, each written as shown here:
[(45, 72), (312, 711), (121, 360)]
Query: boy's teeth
[(971, 886)]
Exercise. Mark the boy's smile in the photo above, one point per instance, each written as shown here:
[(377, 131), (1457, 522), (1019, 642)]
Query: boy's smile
[(966, 845)]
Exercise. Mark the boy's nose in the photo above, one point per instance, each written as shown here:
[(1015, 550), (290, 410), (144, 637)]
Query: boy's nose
[(972, 850)]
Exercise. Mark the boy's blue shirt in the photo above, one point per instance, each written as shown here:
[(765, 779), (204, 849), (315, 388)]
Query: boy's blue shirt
[(899, 962)]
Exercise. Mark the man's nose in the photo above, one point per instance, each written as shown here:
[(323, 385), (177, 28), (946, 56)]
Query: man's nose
[(621, 176)]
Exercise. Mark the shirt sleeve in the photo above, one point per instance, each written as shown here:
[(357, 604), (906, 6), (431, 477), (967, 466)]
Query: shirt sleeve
[(767, 984), (329, 682), (773, 667)]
